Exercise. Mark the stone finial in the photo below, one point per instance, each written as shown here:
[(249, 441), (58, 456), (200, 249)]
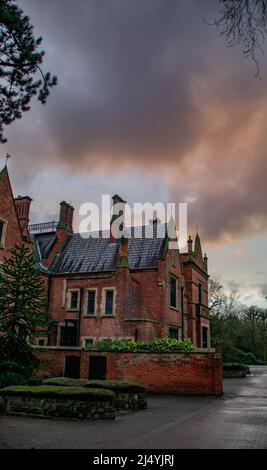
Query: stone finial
[(190, 244)]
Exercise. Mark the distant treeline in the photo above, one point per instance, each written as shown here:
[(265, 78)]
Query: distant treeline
[(240, 331)]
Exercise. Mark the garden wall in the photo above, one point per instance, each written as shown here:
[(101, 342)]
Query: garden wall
[(59, 408), (194, 373)]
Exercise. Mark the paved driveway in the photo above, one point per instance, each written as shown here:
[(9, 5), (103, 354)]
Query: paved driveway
[(238, 420)]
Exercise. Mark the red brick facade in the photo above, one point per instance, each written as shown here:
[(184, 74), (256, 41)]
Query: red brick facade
[(140, 297), (176, 373), (11, 231)]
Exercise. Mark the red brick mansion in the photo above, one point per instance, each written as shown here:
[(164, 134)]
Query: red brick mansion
[(98, 288)]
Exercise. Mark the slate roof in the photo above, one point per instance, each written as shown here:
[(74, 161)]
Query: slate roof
[(44, 243), (85, 255)]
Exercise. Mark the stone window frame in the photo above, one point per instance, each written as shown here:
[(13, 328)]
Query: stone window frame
[(200, 293), (208, 335), (176, 328), (42, 338), (85, 306), (176, 278), (103, 302), (85, 338), (68, 299), (3, 237)]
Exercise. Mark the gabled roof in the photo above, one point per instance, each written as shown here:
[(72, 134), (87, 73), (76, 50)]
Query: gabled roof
[(85, 255), (4, 174), (44, 243)]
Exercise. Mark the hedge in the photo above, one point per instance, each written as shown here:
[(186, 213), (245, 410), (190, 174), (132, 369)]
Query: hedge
[(160, 345), (65, 382), (114, 385), (11, 378), (50, 391), (234, 366)]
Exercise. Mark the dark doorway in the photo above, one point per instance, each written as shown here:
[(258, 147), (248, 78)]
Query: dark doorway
[(97, 368), (72, 367)]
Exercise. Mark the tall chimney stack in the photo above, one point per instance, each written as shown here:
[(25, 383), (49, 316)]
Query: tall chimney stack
[(117, 223), (66, 216)]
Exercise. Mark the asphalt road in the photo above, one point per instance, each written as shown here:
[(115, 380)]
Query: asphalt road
[(238, 420)]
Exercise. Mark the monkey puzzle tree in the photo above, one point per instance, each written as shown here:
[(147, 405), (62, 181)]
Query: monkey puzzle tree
[(20, 61), (22, 304)]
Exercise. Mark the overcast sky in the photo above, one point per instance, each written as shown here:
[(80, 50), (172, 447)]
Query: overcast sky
[(152, 105)]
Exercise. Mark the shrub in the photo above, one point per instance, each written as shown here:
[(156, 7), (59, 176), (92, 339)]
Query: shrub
[(114, 385), (168, 345), (239, 356), (11, 378), (24, 367), (260, 362), (35, 380), (50, 391), (119, 345), (250, 359), (234, 366), (157, 345), (65, 382)]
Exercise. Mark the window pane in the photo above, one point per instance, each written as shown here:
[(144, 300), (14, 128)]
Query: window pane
[(174, 333), (200, 294), (74, 300), (89, 343), (1, 230), (173, 293), (204, 337), (69, 334), (91, 303), (109, 302)]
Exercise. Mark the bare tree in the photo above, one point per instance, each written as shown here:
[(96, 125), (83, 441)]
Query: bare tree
[(222, 304), (217, 297), (244, 23)]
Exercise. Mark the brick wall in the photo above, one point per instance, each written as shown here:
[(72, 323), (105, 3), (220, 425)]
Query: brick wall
[(8, 214), (198, 373)]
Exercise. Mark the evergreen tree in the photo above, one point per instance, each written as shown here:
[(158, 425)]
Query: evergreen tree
[(22, 304), (20, 61)]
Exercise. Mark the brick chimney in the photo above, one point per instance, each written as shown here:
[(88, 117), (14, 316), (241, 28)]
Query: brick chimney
[(66, 216), (23, 204), (117, 213), (123, 253)]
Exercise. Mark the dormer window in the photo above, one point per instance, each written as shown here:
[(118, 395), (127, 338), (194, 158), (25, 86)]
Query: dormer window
[(3, 225)]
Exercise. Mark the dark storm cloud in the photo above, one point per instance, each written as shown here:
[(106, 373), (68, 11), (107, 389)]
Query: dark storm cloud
[(263, 288), (147, 84), (125, 72)]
